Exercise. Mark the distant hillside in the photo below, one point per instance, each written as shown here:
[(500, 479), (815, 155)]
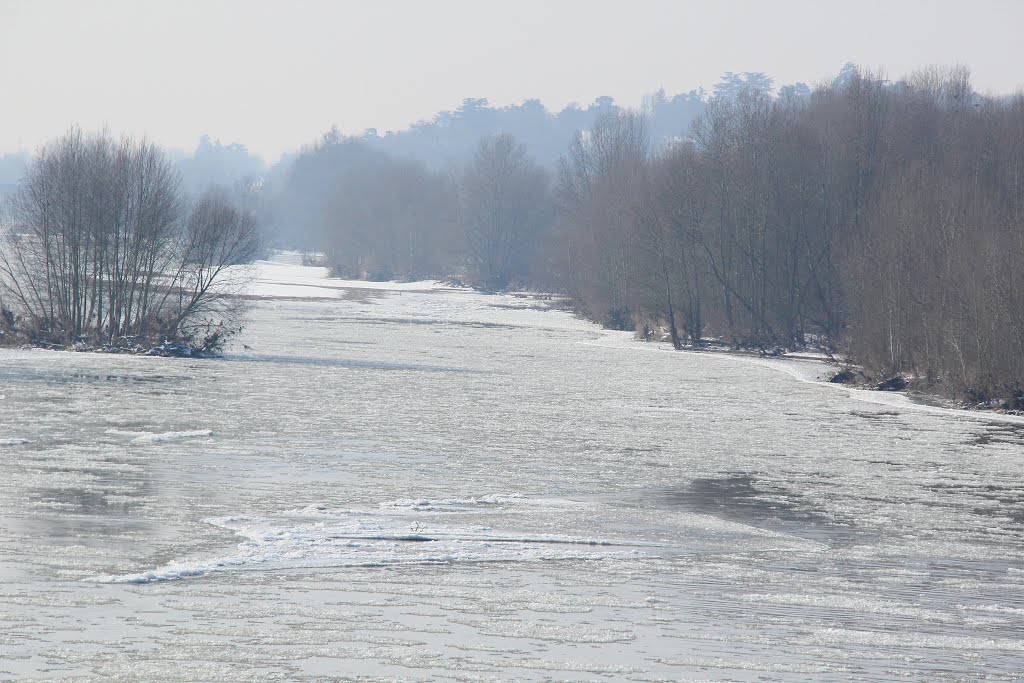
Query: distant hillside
[(451, 136)]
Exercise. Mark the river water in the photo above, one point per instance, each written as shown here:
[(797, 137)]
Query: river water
[(408, 482)]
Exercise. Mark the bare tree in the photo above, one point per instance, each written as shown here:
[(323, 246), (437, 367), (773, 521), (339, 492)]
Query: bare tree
[(375, 216), (97, 245), (218, 239), (884, 218), (597, 183), (505, 207)]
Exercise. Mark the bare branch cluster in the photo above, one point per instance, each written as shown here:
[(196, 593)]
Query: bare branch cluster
[(101, 245), (505, 209), (881, 218)]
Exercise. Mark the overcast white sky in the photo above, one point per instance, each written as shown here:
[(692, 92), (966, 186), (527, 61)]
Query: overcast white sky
[(274, 75)]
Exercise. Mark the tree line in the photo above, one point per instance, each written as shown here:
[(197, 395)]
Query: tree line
[(880, 219), (380, 217), (102, 247)]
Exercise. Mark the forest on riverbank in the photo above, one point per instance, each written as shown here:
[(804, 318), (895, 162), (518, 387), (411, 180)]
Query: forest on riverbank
[(880, 219)]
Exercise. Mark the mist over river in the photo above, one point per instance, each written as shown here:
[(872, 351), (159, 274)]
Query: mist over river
[(386, 481)]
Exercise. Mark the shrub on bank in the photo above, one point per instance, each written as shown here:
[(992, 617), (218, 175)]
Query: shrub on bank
[(103, 250)]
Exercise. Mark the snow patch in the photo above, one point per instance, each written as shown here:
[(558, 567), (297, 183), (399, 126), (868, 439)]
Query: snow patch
[(387, 536), (172, 436), (160, 437), (493, 501)]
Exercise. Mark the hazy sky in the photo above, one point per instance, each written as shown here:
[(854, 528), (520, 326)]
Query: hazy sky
[(274, 75)]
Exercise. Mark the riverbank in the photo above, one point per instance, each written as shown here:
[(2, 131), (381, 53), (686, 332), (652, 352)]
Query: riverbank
[(837, 370), (137, 345)]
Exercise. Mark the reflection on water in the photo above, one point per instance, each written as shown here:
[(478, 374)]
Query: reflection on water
[(1004, 502), (85, 501), (999, 433), (62, 376), (76, 527), (743, 497)]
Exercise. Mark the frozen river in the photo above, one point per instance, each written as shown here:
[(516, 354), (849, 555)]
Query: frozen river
[(407, 482)]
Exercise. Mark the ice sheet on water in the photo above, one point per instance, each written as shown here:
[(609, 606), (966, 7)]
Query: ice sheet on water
[(490, 500), (160, 437), (903, 640), (859, 604), (172, 436), (393, 533), (285, 277)]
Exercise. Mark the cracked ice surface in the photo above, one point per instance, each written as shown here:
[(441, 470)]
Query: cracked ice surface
[(405, 481)]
